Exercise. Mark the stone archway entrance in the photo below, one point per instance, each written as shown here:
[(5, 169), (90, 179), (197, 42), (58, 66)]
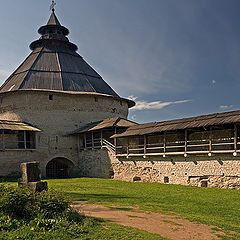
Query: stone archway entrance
[(59, 168)]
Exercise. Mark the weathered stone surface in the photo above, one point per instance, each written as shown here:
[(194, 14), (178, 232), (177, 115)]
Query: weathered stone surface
[(222, 172), (56, 118), (200, 172), (30, 172), (31, 177), (38, 186)]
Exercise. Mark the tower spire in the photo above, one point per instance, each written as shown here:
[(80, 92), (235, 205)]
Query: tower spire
[(52, 7)]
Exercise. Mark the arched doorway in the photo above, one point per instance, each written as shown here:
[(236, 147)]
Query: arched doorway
[(59, 168)]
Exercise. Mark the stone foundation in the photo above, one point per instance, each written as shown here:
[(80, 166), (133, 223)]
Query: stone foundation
[(216, 181), (202, 172)]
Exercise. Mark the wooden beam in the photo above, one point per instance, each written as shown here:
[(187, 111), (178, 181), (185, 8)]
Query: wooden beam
[(25, 140), (145, 145), (92, 141), (115, 140), (101, 139), (210, 142), (3, 140), (85, 141), (185, 145), (78, 136), (164, 144), (127, 146), (235, 139)]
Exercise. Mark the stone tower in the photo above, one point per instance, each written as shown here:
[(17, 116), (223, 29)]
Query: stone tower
[(57, 92)]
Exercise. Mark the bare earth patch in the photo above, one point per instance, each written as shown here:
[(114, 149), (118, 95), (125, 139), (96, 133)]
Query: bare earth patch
[(169, 226)]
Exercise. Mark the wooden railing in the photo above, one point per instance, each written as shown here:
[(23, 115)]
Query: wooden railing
[(98, 143), (228, 145)]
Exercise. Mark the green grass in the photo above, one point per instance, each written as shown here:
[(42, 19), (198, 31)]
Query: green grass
[(94, 230), (47, 216), (211, 206), (108, 231)]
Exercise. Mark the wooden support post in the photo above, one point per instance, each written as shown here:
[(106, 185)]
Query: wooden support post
[(78, 145), (164, 144), (115, 140), (85, 141), (210, 142), (92, 141), (235, 139), (185, 145), (101, 138), (145, 145), (127, 146), (3, 140), (25, 140)]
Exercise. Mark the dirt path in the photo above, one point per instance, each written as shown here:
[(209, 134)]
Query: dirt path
[(169, 226)]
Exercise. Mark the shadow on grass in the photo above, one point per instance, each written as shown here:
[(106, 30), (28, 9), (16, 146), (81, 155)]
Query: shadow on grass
[(9, 179), (98, 197)]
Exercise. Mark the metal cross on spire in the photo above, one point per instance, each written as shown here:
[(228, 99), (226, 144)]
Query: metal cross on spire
[(52, 7)]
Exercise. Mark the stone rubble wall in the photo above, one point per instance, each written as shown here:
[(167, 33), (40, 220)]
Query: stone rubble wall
[(199, 171), (96, 163), (203, 173), (232, 182)]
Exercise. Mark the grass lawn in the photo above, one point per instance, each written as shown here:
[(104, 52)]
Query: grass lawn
[(211, 206), (46, 216), (110, 231)]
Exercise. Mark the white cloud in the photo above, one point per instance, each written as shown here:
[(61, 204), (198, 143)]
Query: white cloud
[(214, 81), (4, 73), (132, 97), (223, 107), (142, 105), (133, 117)]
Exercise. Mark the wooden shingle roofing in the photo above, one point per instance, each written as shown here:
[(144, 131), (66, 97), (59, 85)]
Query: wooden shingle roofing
[(181, 124), (103, 124), (17, 126)]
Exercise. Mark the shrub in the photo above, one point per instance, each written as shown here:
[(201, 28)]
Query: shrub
[(45, 215), (8, 224), (73, 216), (14, 200), (51, 204), (41, 224)]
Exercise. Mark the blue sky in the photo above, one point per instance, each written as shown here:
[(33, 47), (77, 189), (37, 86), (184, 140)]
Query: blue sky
[(176, 58)]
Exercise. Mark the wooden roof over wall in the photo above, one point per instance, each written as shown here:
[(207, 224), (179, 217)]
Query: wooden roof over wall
[(17, 126), (181, 124), (103, 124)]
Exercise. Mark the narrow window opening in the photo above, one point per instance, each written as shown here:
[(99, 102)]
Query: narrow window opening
[(166, 179), (96, 99), (204, 183), (51, 97)]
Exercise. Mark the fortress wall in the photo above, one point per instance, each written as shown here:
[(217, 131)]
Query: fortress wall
[(217, 171), (96, 163)]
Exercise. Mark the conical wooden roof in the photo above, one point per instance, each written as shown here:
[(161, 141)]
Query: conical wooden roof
[(54, 64)]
